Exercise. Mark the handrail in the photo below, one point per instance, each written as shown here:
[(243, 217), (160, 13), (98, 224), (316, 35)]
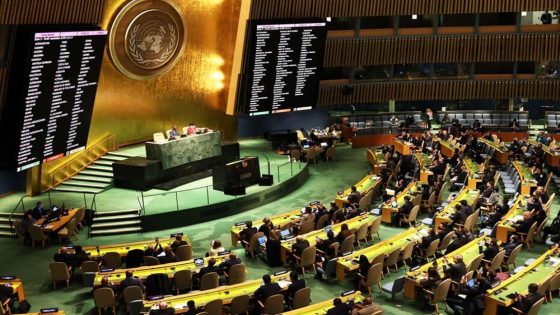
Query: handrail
[(66, 168), (14, 211)]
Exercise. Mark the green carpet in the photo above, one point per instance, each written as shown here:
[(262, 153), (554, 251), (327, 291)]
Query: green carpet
[(325, 180)]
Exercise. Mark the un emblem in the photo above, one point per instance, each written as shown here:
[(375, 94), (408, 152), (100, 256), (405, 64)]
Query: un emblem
[(147, 38)]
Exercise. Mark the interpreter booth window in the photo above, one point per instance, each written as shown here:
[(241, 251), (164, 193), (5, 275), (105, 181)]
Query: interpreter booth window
[(417, 21), (498, 19), (336, 73), (372, 73), (450, 71), (342, 24), (412, 72), (457, 20), (526, 68), (540, 17), (376, 22), (549, 70), (493, 68)]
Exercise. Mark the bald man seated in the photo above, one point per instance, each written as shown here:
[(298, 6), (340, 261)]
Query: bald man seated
[(163, 309)]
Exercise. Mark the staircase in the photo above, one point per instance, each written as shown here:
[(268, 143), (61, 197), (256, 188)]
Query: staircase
[(95, 178), (5, 229), (116, 222)]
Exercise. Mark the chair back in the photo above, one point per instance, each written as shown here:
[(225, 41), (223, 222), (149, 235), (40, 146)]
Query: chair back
[(302, 298), (498, 260), (417, 200), (431, 199), (295, 154), (375, 226), (531, 233), (432, 248), (274, 304), (80, 215), (158, 284), (322, 221), (135, 307), (407, 251), (379, 259), (398, 285), (330, 268), (104, 297), (19, 230), (214, 307), (254, 245), (540, 229), (413, 214), (375, 273), (183, 280), (132, 293), (89, 266), (308, 256), (240, 304), (36, 233), (475, 263), (348, 244), (134, 258), (441, 291), (159, 137), (363, 203), (536, 307), (335, 246), (330, 153), (237, 274), (150, 261), (59, 271), (469, 274), (393, 257), (361, 234), (469, 222), (513, 255), (209, 281), (543, 287), (446, 241), (307, 227), (184, 252), (112, 260), (555, 282)]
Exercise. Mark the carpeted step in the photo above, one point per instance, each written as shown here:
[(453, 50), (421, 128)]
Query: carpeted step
[(102, 162), (6, 234), (116, 212), (78, 189), (118, 154), (100, 168), (134, 229), (97, 226), (91, 172), (88, 178), (107, 218), (82, 183)]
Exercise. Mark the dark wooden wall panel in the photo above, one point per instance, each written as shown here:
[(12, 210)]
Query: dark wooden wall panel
[(344, 8), (442, 49), (440, 90), (51, 11)]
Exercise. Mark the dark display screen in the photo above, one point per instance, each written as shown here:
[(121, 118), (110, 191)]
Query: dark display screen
[(52, 93), (283, 66)]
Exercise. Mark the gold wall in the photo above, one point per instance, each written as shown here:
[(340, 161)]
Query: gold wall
[(194, 90)]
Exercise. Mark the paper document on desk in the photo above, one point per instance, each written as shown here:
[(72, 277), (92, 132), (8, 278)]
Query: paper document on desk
[(283, 283), (554, 261), (516, 218)]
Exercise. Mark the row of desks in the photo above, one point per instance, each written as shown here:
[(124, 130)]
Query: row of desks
[(324, 306), (311, 237), (551, 158), (474, 169), (515, 213), (16, 284), (540, 271), (116, 276), (412, 190), (364, 186), (528, 181), (412, 279), (57, 225), (501, 153), (449, 210), (350, 262), (225, 293)]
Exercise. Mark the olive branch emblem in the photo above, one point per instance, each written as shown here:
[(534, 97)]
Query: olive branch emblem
[(163, 57)]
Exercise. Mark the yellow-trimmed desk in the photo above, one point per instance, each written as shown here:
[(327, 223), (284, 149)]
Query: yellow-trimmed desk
[(117, 275), (515, 213), (350, 263), (57, 225), (446, 148), (376, 159), (412, 279), (473, 168), (501, 153), (277, 220), (97, 252), (225, 293), (364, 186), (403, 147), (551, 157), (465, 194), (528, 182), (17, 285), (323, 307), (538, 272), (311, 237), (387, 209), (47, 313), (424, 164)]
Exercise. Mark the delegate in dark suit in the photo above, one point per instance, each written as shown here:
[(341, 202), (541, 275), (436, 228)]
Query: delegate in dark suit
[(456, 270), (267, 289), (524, 303), (130, 281), (339, 308)]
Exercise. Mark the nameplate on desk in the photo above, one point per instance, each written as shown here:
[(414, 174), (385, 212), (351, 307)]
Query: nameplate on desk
[(314, 203), (341, 192), (347, 293), (283, 272), (8, 278), (225, 252), (240, 224), (414, 268), (49, 310), (107, 270), (347, 253), (176, 234)]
